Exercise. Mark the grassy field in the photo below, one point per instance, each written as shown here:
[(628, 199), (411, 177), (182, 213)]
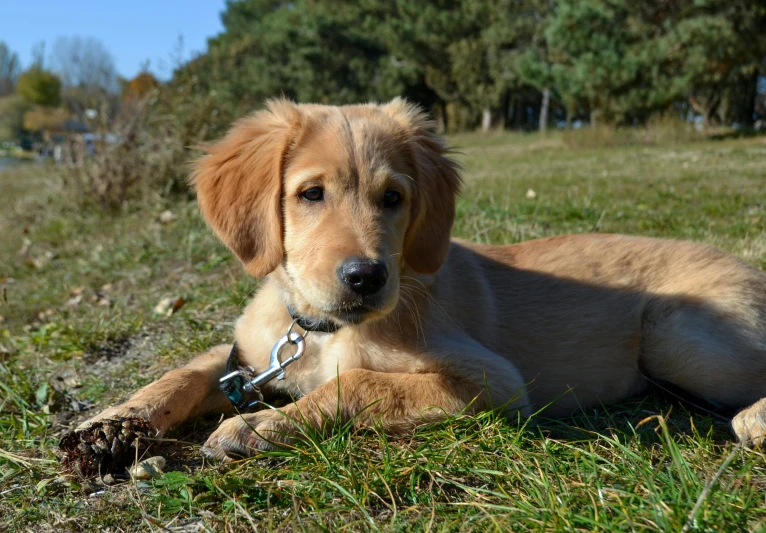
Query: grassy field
[(77, 333)]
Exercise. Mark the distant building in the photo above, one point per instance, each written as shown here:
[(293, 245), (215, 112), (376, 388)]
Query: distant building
[(58, 141)]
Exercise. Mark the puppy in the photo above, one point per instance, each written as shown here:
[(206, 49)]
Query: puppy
[(346, 212)]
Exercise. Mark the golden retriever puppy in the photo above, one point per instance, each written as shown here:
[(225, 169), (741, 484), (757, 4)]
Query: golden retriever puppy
[(347, 211)]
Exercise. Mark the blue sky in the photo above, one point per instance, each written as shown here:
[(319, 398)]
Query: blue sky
[(132, 30)]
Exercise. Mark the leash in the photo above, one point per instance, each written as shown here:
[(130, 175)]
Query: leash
[(242, 386)]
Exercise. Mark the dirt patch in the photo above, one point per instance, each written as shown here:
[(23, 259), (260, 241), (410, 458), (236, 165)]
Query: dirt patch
[(105, 365), (112, 349)]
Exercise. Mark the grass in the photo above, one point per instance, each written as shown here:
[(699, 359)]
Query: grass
[(77, 289)]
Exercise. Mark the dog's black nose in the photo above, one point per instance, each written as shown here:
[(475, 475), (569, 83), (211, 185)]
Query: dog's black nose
[(363, 276)]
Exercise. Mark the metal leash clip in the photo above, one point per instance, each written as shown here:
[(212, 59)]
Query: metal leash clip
[(239, 385)]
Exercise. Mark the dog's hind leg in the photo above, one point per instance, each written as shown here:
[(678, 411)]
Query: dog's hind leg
[(178, 395), (715, 352)]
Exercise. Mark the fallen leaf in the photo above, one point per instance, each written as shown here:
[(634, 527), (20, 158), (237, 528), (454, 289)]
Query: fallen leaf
[(37, 262), (178, 304), (78, 290), (44, 315), (168, 306), (25, 245), (100, 298), (74, 301)]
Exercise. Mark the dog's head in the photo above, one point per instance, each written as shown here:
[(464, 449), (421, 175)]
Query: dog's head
[(336, 201)]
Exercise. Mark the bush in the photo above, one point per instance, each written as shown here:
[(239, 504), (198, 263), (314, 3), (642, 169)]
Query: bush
[(145, 150)]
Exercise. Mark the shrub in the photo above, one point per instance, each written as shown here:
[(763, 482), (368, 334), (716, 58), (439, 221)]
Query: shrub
[(145, 150)]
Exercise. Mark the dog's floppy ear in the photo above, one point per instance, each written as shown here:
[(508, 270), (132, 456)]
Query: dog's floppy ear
[(427, 241), (239, 185)]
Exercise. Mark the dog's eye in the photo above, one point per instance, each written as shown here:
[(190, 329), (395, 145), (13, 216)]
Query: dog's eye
[(392, 199), (314, 194)]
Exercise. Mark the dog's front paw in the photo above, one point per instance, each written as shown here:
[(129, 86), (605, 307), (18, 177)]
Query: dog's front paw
[(247, 434), (126, 410)]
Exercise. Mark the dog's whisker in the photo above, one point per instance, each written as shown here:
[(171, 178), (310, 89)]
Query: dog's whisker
[(424, 290), (415, 312)]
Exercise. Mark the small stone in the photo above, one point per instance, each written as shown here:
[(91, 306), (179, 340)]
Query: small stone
[(167, 216), (148, 468)]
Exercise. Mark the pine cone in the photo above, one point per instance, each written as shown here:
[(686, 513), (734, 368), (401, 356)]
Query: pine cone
[(106, 447)]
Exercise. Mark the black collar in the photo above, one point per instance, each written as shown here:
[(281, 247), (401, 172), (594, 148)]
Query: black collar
[(322, 325)]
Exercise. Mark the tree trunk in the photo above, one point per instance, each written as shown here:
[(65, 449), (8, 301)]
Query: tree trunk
[(569, 118), (710, 110), (544, 110), (519, 113), (445, 117), (706, 108), (748, 102), (507, 110), (486, 119)]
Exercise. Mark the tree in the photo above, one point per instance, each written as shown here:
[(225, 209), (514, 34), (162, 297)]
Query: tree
[(444, 44), (9, 70), (84, 63), (12, 110), (723, 47), (628, 60), (135, 89), (87, 72), (472, 60), (306, 50), (39, 86), (527, 53)]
